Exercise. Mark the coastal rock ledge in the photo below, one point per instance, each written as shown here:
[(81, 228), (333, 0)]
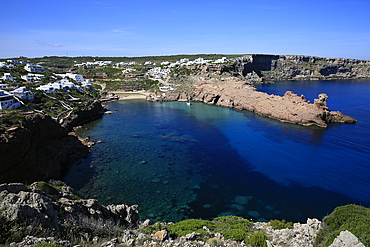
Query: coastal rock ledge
[(52, 213), (240, 95)]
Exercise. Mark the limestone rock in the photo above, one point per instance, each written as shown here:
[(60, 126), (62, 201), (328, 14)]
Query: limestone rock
[(160, 235), (346, 239), (302, 235), (22, 205)]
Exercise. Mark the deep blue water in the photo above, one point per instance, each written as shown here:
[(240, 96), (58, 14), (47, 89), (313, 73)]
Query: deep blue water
[(178, 161)]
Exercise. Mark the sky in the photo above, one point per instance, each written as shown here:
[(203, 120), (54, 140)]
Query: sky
[(116, 28)]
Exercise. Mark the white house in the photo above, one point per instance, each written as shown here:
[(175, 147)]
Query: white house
[(7, 76), (64, 84), (5, 86), (121, 64), (23, 93), (16, 62), (184, 60), (76, 77), (221, 60), (7, 100), (34, 68), (6, 66), (32, 77), (167, 88), (158, 72)]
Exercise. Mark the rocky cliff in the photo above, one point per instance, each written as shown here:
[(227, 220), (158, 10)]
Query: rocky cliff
[(39, 148), (53, 210), (259, 68), (240, 95)]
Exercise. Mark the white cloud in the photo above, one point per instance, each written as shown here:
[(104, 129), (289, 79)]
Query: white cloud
[(41, 42)]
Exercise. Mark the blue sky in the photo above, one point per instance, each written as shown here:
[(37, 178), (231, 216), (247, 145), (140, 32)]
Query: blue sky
[(324, 28)]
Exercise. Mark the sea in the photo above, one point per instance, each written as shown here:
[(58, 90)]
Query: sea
[(178, 161)]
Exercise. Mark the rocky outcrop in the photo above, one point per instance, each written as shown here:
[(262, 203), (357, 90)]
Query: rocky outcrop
[(260, 68), (240, 95), (45, 206), (89, 113), (346, 239), (302, 235), (38, 149)]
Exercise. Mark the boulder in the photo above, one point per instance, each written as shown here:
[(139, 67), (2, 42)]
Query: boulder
[(346, 239)]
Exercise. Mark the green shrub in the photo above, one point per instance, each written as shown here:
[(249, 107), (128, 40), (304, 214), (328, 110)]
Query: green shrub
[(152, 228), (47, 245), (353, 218), (257, 239), (185, 227), (232, 227), (281, 224)]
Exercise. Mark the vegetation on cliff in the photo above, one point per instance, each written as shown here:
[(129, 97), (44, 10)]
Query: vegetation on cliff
[(353, 218)]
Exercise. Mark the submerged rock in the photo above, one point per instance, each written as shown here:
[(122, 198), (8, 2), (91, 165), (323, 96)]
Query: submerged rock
[(242, 200)]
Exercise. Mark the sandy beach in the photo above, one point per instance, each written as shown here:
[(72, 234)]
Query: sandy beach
[(128, 96)]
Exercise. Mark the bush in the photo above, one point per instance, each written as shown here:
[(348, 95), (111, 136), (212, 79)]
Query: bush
[(47, 245), (185, 227), (232, 227), (257, 239), (353, 218), (281, 224), (152, 228)]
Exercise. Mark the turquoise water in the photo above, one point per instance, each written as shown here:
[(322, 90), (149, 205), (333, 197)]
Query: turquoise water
[(200, 161)]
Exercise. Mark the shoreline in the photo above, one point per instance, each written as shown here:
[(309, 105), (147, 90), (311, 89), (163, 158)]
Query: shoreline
[(129, 96)]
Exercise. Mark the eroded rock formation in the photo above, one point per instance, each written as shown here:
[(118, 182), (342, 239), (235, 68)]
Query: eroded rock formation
[(260, 68), (240, 95), (50, 208)]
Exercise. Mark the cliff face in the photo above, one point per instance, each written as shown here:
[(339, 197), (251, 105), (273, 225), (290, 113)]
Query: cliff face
[(260, 68), (40, 148)]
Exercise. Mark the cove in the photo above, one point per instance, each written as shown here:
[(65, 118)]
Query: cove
[(200, 161)]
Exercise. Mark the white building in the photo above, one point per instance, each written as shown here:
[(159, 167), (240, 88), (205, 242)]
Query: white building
[(121, 64), (76, 77), (23, 93), (8, 77), (221, 60), (34, 68), (32, 77), (167, 88), (64, 84), (184, 60), (8, 101), (5, 86), (158, 72), (128, 70), (6, 66), (16, 62)]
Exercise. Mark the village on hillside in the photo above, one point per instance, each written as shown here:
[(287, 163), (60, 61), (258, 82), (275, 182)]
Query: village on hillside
[(20, 81)]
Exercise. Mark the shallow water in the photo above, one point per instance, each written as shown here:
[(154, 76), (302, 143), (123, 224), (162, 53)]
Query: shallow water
[(178, 161)]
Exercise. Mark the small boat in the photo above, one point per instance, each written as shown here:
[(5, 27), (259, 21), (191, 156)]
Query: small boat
[(188, 102)]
